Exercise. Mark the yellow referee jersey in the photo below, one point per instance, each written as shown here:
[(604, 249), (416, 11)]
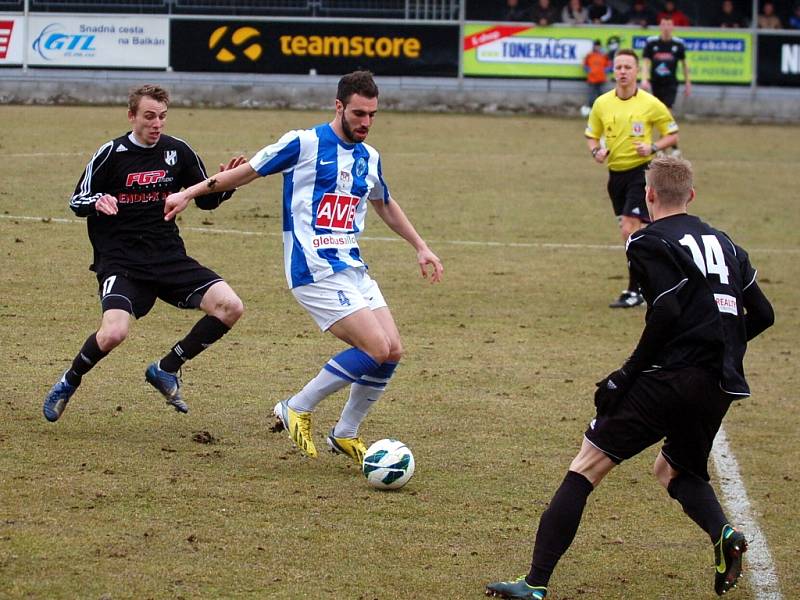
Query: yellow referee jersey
[(623, 122)]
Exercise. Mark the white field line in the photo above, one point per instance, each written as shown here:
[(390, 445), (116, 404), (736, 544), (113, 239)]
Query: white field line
[(42, 154), (485, 244), (759, 566)]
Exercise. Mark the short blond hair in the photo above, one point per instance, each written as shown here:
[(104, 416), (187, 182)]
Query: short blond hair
[(672, 179)]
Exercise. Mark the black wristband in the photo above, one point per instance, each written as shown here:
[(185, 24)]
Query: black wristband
[(653, 148), (595, 150)]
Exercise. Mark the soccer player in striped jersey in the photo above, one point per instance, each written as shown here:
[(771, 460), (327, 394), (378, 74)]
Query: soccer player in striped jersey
[(330, 176), (138, 257)]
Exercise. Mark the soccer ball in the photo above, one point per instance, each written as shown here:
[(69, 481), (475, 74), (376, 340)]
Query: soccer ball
[(388, 464), (585, 110)]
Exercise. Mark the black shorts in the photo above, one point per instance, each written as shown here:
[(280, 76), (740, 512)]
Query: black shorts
[(626, 190), (181, 282), (666, 93), (685, 407)]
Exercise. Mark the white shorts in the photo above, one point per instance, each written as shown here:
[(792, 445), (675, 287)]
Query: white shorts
[(341, 294)]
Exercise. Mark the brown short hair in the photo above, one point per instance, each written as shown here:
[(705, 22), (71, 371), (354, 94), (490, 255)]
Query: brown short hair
[(628, 52), (671, 178), (155, 92), (357, 82)]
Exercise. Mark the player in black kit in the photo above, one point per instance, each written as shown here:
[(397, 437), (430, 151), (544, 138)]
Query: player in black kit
[(704, 305), (138, 256), (661, 56)]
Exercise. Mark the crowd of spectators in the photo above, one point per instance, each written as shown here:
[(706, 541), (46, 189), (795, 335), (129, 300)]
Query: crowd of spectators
[(772, 14)]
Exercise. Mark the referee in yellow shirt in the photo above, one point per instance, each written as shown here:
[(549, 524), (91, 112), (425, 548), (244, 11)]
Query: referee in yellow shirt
[(625, 117)]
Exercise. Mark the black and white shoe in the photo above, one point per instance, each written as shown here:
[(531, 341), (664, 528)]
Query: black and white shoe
[(628, 299)]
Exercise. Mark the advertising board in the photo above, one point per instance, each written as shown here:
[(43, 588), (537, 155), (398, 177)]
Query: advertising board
[(92, 41)]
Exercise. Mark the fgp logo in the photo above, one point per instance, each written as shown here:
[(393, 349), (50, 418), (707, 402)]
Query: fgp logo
[(53, 40), (241, 40), (337, 212), (6, 27), (145, 178)]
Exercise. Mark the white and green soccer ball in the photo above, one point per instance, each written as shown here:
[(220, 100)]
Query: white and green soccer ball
[(388, 464)]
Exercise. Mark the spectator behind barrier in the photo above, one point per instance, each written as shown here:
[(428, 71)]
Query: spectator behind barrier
[(767, 19), (597, 66), (794, 20), (640, 15), (678, 17), (544, 13), (729, 16), (574, 13), (516, 10), (600, 13)]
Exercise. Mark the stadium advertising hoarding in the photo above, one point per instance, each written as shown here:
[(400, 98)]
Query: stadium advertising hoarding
[(494, 50), (90, 41), (779, 60), (12, 32), (303, 47)]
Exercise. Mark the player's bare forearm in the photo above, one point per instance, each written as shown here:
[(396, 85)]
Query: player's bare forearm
[(397, 221), (221, 182)]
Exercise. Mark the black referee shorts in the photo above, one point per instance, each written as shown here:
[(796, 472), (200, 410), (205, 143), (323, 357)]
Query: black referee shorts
[(181, 282), (685, 407), (626, 190)]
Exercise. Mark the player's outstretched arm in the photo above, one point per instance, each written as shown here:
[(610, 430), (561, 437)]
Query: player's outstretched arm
[(397, 221), (221, 182)]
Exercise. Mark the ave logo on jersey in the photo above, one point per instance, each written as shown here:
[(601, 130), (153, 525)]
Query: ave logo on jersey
[(171, 157), (337, 212), (145, 178)]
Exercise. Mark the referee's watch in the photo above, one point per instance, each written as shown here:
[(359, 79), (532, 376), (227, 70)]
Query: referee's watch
[(653, 148)]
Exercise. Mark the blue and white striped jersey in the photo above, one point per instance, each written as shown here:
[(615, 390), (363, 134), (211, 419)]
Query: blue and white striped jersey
[(326, 186)]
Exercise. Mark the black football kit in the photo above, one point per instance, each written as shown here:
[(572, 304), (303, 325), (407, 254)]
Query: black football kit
[(139, 256), (703, 306), (664, 56)]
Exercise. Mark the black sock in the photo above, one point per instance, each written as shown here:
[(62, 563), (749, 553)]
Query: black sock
[(698, 500), (558, 526), (85, 360), (204, 333)]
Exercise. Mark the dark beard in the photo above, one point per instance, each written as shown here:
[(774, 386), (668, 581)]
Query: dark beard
[(348, 132)]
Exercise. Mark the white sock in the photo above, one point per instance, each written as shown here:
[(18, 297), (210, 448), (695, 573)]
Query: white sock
[(323, 385), (361, 400)]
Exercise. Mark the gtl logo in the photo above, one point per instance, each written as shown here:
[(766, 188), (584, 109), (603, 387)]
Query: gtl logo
[(51, 40)]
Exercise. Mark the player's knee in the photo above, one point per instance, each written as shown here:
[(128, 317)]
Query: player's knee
[(233, 309), (228, 309), (396, 352), (111, 336), (379, 349)]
